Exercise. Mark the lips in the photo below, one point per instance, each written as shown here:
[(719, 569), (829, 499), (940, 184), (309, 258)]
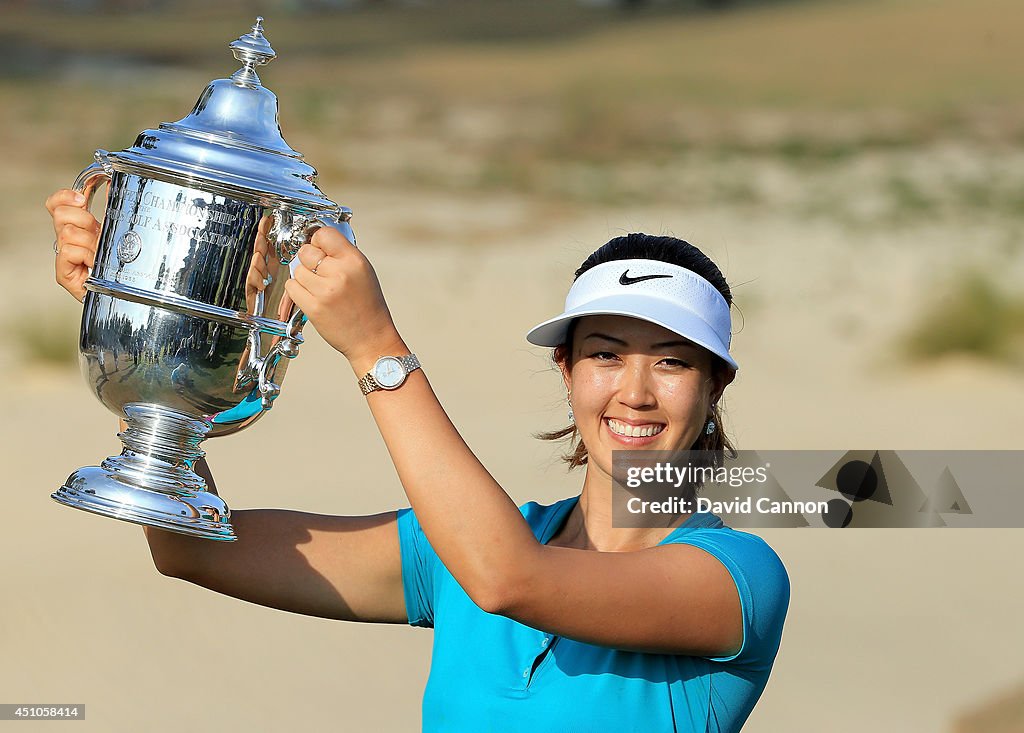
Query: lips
[(625, 430)]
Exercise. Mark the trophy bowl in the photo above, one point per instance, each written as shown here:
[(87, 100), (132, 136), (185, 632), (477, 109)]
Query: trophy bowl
[(187, 330)]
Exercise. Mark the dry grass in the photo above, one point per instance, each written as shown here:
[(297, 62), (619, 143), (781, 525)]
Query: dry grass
[(576, 104), (971, 315), (913, 54)]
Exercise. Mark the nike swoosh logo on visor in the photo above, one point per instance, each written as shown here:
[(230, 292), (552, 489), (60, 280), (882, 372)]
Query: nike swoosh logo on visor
[(625, 279)]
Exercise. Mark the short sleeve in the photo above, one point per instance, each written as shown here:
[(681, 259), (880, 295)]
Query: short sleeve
[(419, 569), (763, 586)]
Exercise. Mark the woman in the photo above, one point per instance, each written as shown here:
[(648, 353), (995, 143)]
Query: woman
[(546, 618)]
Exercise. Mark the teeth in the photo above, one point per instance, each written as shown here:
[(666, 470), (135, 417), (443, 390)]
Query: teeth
[(634, 431)]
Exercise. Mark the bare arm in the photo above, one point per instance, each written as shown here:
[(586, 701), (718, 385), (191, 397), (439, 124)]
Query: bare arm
[(672, 599), (346, 568), (669, 599), (334, 567)]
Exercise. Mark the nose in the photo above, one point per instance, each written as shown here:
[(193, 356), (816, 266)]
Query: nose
[(636, 390)]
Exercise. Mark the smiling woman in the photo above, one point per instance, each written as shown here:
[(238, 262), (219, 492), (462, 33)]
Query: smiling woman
[(545, 618), (678, 625), (685, 295)]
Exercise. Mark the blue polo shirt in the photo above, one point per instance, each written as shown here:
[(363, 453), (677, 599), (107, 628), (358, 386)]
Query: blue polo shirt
[(491, 674)]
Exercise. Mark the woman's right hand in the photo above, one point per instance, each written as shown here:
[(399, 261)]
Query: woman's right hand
[(77, 234)]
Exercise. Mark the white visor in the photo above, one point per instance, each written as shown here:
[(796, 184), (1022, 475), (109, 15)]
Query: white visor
[(667, 295)]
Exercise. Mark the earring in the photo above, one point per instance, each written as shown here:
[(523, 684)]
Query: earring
[(711, 427), (568, 397)]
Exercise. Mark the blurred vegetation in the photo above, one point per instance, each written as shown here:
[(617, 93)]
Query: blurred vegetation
[(869, 114), (876, 104), (972, 315), (373, 27)]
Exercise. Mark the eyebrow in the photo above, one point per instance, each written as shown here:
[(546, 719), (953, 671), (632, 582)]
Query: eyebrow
[(620, 342)]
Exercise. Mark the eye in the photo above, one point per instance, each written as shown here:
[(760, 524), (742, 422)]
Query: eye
[(676, 363), (603, 356)]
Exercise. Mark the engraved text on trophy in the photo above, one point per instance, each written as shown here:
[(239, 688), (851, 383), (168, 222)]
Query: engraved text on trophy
[(169, 238)]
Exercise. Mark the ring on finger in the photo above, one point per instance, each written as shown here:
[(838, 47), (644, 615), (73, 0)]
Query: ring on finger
[(56, 248), (317, 265)]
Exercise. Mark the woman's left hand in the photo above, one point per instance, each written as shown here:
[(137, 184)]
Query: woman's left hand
[(337, 288)]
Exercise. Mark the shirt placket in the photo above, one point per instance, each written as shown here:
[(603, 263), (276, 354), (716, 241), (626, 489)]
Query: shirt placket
[(536, 657)]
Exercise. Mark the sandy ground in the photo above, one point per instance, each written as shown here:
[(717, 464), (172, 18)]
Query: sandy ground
[(894, 630)]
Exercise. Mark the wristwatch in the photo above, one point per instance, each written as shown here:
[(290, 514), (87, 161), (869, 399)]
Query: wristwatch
[(388, 373)]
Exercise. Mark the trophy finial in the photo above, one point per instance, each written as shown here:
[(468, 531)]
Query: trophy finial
[(253, 49)]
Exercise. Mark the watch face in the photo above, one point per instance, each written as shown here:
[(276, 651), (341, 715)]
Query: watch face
[(388, 372)]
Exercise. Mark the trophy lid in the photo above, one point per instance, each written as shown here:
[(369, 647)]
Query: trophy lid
[(231, 141)]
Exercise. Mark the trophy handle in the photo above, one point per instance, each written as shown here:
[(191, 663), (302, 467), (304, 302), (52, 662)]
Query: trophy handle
[(288, 234), (340, 219), (290, 231), (91, 178)]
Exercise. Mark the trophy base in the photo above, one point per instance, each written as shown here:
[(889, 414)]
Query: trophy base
[(100, 491), (152, 481)]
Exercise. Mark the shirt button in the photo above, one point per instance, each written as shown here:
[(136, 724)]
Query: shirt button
[(545, 642), (526, 673)]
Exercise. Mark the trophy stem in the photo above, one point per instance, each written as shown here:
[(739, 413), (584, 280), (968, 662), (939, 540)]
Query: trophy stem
[(153, 482), (161, 447)]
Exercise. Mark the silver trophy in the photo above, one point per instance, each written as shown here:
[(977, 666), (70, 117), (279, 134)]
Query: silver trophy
[(186, 329)]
